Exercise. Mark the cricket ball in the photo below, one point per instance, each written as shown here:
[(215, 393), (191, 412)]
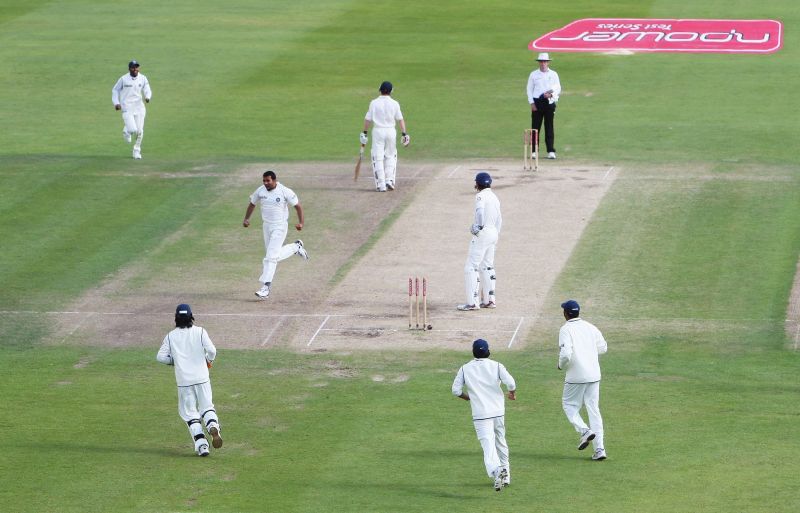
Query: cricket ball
[(430, 326)]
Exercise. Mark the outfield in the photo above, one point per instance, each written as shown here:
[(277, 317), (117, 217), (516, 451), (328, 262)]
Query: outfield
[(684, 256)]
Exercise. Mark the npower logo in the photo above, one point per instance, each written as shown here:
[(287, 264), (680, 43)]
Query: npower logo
[(664, 35)]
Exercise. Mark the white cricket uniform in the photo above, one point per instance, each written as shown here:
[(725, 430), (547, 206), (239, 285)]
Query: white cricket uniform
[(539, 83), (188, 349), (131, 93), (275, 216), (580, 344), (482, 377), (384, 112), (480, 259)]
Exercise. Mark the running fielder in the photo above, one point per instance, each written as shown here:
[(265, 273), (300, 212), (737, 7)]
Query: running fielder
[(580, 345), (482, 377), (275, 199), (191, 351), (129, 95), (485, 230), (383, 113)]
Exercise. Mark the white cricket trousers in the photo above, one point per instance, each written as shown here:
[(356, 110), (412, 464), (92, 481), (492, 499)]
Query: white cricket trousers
[(274, 235), (196, 408), (134, 125), (384, 156), (492, 436), (480, 263), (584, 394)]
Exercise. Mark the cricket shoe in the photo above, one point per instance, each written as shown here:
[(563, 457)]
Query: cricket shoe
[(467, 308), (533, 155), (587, 437), (202, 450), (498, 480), (263, 292), (301, 250), (216, 438), (389, 186), (599, 455), (137, 155), (551, 155), (507, 479), (126, 136), (490, 304)]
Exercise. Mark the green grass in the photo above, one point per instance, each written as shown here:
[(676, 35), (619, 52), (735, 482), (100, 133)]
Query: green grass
[(686, 266)]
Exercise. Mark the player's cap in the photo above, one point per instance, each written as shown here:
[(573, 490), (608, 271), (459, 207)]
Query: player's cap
[(544, 56), (571, 306), (483, 179), (480, 349), (183, 310), (133, 64), (386, 87)]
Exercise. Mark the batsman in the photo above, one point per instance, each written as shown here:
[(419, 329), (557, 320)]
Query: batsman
[(384, 112)]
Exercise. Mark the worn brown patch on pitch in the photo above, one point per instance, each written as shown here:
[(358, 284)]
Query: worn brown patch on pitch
[(793, 312)]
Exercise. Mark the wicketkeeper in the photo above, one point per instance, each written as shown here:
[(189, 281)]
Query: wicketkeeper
[(191, 351), (482, 377)]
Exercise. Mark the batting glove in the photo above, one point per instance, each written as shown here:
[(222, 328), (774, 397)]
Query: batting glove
[(475, 228), (406, 139), (363, 137)]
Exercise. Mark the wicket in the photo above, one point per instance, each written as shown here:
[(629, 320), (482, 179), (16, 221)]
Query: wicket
[(530, 157), (413, 299)]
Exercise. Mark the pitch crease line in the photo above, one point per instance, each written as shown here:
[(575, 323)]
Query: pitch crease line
[(608, 172), (272, 331), (450, 175), (511, 342), (318, 330)]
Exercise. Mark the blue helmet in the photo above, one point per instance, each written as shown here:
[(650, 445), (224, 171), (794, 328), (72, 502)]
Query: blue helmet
[(480, 349), (483, 179)]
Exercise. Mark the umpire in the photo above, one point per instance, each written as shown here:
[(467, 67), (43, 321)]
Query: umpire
[(544, 88)]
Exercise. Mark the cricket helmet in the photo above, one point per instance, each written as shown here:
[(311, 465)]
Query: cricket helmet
[(480, 349), (483, 179)]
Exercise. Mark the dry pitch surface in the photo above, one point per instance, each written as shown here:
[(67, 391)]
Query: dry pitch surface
[(544, 214)]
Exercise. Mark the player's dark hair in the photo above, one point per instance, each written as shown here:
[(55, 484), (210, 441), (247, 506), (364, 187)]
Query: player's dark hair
[(184, 321), (571, 314), (270, 174)]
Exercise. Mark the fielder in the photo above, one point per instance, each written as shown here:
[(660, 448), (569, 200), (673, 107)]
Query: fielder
[(482, 377), (191, 351), (580, 344), (129, 95), (485, 230), (275, 199), (383, 113)]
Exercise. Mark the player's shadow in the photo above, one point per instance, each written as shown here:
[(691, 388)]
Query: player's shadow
[(89, 448)]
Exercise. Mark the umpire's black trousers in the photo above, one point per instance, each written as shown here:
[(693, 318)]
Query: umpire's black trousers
[(547, 112)]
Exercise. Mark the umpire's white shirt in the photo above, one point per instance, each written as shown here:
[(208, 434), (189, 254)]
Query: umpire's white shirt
[(482, 377), (384, 112), (580, 344), (487, 210), (275, 203), (130, 92), (539, 83), (188, 349)]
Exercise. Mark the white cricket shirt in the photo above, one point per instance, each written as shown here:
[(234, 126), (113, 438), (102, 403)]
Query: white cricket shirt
[(580, 344), (487, 210), (384, 112), (539, 83), (188, 349), (275, 203), (130, 92), (482, 377)]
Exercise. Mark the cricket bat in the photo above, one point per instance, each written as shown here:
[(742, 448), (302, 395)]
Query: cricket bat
[(358, 164)]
